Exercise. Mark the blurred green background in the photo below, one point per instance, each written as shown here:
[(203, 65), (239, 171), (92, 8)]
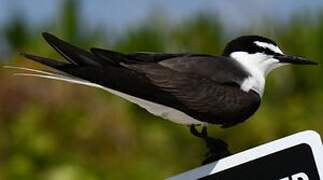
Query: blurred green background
[(58, 131)]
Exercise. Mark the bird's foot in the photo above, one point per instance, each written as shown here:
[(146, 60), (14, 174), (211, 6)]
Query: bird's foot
[(217, 148)]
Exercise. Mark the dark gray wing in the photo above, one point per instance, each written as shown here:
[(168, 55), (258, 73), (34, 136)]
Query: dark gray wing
[(154, 57), (145, 57), (217, 68), (200, 96)]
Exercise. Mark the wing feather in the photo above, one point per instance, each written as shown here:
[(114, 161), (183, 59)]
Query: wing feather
[(203, 98)]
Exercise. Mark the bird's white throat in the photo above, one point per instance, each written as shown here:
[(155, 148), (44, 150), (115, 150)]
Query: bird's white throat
[(258, 65)]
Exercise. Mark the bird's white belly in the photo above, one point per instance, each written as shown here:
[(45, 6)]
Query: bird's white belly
[(158, 109)]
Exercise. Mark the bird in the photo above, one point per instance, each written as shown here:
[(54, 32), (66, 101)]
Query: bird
[(186, 88)]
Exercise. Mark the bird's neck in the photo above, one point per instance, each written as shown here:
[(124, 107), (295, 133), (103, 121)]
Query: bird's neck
[(258, 65)]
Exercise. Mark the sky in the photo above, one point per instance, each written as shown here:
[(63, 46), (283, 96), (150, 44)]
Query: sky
[(122, 13)]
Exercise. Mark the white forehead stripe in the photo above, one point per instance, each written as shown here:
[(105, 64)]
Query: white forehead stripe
[(269, 46)]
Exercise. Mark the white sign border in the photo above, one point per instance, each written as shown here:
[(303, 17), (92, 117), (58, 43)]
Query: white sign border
[(308, 137)]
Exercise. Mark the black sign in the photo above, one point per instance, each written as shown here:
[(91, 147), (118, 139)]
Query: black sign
[(293, 163)]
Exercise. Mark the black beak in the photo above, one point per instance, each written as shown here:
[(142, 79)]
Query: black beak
[(294, 60)]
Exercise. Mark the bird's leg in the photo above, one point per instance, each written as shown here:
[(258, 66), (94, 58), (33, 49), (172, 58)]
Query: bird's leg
[(217, 148), (201, 134)]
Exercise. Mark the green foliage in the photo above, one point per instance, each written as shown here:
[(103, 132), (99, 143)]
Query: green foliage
[(53, 130), (17, 32)]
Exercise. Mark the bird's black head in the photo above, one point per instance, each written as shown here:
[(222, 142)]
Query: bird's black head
[(257, 47), (251, 44)]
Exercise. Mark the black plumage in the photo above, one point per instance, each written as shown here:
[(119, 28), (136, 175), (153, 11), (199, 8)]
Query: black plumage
[(206, 88)]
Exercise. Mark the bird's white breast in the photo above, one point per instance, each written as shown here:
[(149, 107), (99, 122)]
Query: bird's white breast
[(258, 65)]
